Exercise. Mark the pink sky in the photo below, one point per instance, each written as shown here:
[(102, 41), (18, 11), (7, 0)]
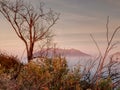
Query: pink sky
[(78, 19)]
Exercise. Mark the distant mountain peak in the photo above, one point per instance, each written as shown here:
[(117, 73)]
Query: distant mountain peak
[(63, 52)]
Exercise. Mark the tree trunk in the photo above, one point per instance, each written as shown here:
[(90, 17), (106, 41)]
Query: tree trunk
[(29, 56), (30, 52)]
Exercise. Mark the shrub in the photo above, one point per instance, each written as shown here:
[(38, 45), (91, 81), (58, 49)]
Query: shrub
[(8, 61), (105, 84), (53, 75), (8, 69)]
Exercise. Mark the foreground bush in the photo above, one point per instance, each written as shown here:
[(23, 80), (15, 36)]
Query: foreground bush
[(53, 74), (42, 74), (105, 84), (9, 66), (47, 74)]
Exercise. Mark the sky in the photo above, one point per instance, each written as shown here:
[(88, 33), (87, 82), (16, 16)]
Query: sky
[(78, 19)]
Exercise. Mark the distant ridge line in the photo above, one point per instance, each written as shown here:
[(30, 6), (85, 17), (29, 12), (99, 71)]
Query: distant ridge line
[(63, 52)]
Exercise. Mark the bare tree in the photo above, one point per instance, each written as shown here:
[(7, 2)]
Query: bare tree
[(29, 23), (111, 44)]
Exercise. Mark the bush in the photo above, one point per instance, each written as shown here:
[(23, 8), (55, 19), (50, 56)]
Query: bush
[(45, 74), (53, 74), (105, 84), (8, 69), (8, 61)]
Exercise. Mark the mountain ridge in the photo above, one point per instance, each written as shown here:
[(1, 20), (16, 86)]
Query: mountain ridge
[(59, 51)]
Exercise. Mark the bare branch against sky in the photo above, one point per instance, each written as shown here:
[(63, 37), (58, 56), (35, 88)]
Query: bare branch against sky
[(78, 19)]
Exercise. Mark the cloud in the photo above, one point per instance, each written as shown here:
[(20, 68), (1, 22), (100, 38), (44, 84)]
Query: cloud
[(114, 2)]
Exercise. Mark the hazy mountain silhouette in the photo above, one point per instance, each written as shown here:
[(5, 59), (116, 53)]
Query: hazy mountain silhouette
[(62, 52)]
